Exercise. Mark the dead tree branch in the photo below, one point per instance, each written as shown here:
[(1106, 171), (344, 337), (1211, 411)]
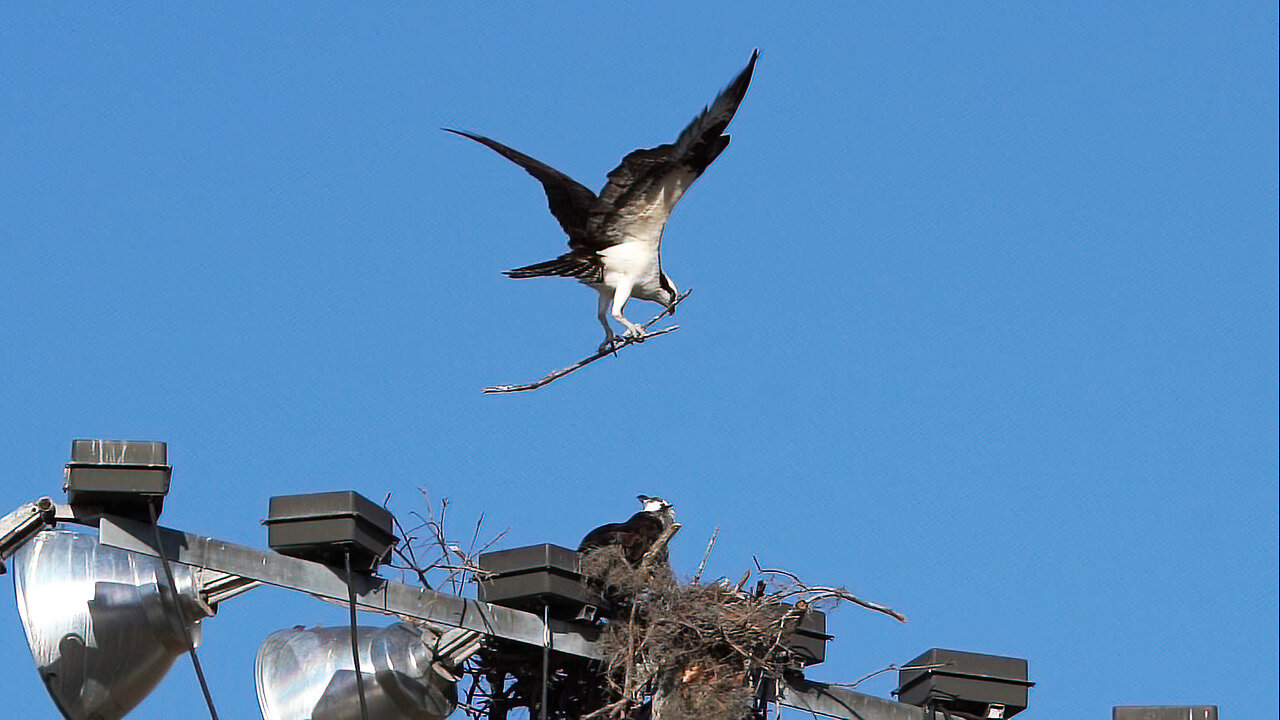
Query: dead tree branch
[(459, 566), (621, 342), (697, 577), (809, 594), (891, 668)]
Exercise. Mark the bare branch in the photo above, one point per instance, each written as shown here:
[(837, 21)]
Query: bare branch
[(706, 554), (891, 668), (813, 593), (624, 342), (459, 566)]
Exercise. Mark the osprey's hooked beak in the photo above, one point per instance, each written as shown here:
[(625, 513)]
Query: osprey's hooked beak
[(669, 287)]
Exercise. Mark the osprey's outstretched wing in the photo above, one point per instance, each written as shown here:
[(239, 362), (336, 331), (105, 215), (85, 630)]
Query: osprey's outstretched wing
[(570, 202), (643, 190)]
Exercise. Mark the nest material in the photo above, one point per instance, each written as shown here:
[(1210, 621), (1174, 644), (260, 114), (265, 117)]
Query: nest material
[(673, 651), (694, 650), (607, 568)]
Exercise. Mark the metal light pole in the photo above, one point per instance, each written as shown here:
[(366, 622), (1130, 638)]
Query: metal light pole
[(109, 586)]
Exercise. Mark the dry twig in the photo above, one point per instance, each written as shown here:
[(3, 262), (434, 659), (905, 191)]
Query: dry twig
[(891, 668), (622, 341), (810, 594), (460, 566), (697, 577)]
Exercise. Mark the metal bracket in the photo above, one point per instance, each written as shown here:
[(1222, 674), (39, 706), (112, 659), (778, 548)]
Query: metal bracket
[(838, 702), (373, 594), (17, 527)]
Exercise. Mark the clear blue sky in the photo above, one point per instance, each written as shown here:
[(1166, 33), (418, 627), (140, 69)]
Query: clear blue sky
[(985, 321)]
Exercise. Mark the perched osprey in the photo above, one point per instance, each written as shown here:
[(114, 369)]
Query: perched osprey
[(637, 534), (615, 239)]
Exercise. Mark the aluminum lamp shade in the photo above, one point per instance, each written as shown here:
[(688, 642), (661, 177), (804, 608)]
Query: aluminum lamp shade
[(102, 623), (308, 674)]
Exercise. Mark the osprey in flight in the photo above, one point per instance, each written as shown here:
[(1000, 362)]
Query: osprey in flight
[(615, 239), (637, 534)]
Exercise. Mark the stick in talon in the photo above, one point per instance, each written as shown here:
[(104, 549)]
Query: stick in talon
[(616, 345)]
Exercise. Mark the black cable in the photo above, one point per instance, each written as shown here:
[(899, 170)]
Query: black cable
[(355, 645), (546, 658), (182, 617)]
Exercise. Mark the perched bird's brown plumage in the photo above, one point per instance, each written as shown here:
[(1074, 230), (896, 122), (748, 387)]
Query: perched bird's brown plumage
[(637, 534)]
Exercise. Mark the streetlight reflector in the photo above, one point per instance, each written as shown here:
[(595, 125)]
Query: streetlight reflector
[(309, 674), (102, 623)]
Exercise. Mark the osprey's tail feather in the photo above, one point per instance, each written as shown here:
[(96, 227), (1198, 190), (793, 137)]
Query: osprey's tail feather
[(564, 266)]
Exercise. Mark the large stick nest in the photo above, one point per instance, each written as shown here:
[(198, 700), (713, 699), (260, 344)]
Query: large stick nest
[(694, 650), (672, 651)]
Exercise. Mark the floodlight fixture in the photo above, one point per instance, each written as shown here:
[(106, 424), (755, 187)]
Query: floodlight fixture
[(103, 624), (407, 672)]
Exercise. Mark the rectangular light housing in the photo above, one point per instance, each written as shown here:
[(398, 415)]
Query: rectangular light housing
[(118, 477)]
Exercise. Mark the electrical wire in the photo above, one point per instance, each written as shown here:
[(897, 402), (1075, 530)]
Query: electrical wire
[(546, 659), (182, 617), (355, 645)]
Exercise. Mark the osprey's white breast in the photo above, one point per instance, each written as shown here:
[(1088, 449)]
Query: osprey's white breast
[(634, 259)]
